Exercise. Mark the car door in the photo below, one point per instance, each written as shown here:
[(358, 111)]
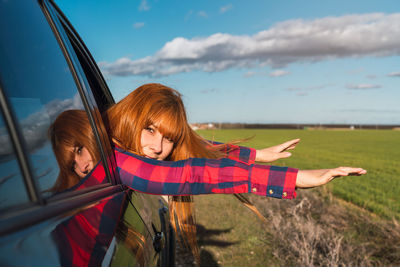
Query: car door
[(45, 70)]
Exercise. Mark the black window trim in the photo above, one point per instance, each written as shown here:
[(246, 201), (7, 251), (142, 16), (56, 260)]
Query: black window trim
[(78, 76), (19, 146), (90, 69), (75, 38), (83, 51), (18, 220)]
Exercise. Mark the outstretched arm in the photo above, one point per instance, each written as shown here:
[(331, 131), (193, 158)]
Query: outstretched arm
[(211, 176), (204, 176), (312, 178)]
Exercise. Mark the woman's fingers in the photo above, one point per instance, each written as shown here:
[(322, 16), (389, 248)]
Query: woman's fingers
[(291, 144), (346, 171), (352, 170)]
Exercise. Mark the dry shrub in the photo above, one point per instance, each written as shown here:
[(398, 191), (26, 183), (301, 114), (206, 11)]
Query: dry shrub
[(314, 231)]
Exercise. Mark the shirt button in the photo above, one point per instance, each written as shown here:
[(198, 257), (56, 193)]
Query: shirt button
[(271, 191), (284, 194), (254, 189)]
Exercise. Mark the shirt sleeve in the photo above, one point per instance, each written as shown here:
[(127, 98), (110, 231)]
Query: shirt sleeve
[(196, 176), (239, 153)]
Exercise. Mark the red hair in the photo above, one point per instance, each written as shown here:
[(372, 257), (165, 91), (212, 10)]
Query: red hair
[(70, 129), (157, 104)]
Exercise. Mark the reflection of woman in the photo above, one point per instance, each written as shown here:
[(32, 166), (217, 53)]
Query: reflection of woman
[(84, 238), (151, 122), (74, 146)]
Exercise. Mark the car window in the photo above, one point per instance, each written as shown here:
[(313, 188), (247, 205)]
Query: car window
[(38, 83), (12, 188)]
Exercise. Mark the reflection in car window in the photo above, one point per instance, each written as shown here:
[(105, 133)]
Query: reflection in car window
[(12, 188), (37, 81)]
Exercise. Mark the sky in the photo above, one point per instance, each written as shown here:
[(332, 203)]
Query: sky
[(257, 61)]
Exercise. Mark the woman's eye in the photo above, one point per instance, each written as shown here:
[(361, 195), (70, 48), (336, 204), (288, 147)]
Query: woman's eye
[(149, 129), (169, 139), (79, 150)]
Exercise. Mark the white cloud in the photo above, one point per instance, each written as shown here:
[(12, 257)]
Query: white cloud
[(138, 25), (287, 42), (202, 14), (144, 6), (363, 86), (394, 74), (278, 73), (226, 8)]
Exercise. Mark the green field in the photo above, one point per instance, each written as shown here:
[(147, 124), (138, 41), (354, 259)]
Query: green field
[(377, 151)]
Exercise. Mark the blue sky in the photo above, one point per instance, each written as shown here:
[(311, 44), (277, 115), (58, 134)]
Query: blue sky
[(252, 61)]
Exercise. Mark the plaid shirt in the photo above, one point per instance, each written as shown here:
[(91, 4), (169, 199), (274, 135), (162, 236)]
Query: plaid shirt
[(196, 176)]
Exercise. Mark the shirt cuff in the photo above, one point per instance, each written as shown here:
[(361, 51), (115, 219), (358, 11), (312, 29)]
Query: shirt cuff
[(273, 181)]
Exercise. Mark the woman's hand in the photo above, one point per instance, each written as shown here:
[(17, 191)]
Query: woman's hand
[(276, 152), (312, 178)]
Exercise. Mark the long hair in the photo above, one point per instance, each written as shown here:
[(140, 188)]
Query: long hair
[(70, 129), (162, 106)]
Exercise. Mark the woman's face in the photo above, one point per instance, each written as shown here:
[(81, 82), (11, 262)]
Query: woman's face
[(154, 144), (83, 162)]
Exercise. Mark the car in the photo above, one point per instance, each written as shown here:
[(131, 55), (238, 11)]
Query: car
[(46, 69)]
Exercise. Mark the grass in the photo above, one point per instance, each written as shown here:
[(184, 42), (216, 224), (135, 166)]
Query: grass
[(230, 234), (355, 228), (377, 151)]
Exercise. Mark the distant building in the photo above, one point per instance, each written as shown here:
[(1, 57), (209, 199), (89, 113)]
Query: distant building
[(202, 126)]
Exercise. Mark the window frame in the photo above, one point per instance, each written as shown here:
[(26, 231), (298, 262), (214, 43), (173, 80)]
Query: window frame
[(52, 15), (90, 67)]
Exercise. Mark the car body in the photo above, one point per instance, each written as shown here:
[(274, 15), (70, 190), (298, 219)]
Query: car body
[(46, 69)]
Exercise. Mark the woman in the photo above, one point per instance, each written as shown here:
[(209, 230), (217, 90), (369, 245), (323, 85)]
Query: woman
[(151, 122), (166, 135)]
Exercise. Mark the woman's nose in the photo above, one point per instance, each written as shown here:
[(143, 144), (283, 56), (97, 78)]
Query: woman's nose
[(157, 143), (81, 164)]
